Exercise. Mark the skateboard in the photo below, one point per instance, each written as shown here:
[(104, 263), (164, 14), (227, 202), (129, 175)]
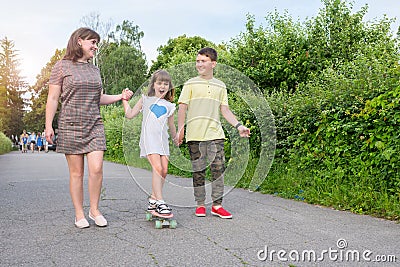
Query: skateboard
[(160, 221)]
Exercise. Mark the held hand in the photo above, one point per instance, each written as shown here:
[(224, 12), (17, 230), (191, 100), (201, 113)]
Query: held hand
[(129, 93), (180, 136), (126, 94), (175, 140), (244, 131)]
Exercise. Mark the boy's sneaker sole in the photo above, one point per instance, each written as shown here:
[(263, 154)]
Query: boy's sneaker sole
[(221, 216), (200, 212), (221, 212)]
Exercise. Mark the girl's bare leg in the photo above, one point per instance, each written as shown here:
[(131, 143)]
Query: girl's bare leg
[(159, 166)]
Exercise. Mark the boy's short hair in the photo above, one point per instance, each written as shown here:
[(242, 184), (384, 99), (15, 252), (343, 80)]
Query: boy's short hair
[(209, 52)]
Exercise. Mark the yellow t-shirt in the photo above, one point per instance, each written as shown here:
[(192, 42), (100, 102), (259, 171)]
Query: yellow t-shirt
[(204, 98)]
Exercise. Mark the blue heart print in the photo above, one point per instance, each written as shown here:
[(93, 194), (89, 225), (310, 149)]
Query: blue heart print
[(158, 110)]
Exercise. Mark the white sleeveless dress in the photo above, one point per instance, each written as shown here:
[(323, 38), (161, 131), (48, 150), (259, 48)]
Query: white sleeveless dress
[(154, 138)]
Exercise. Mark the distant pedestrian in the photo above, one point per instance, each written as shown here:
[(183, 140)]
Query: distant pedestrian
[(32, 141), (45, 143), (24, 141), (39, 141), (80, 127)]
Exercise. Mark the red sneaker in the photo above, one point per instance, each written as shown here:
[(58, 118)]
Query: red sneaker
[(200, 211), (221, 212)]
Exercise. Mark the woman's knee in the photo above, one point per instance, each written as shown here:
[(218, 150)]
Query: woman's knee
[(96, 173), (76, 174)]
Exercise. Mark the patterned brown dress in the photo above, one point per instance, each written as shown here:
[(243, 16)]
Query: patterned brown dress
[(80, 127)]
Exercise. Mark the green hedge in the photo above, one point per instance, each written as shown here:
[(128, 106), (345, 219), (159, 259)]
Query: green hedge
[(339, 141), (5, 144)]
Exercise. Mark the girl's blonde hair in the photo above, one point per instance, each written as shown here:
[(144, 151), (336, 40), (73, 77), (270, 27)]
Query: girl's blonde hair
[(163, 76)]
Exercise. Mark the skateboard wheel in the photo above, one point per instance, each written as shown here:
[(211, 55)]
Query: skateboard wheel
[(172, 224), (148, 216), (158, 225)]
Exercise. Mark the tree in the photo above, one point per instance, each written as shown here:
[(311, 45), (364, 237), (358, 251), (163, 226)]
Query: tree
[(179, 50), (4, 111), (34, 120), (12, 87), (127, 34), (276, 56), (124, 67), (122, 62), (337, 35), (93, 22)]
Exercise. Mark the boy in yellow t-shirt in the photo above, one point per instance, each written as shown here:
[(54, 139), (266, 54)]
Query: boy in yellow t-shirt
[(201, 102)]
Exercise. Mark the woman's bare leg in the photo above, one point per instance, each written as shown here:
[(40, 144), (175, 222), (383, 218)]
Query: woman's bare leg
[(95, 167), (76, 171)]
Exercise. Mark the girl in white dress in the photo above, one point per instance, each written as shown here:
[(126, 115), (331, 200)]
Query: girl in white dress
[(158, 116)]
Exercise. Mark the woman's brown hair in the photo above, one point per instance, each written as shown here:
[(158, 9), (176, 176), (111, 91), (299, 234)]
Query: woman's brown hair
[(74, 50)]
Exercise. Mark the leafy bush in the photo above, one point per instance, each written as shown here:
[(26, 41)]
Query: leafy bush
[(381, 143), (334, 106), (273, 57), (345, 138), (5, 144), (113, 117)]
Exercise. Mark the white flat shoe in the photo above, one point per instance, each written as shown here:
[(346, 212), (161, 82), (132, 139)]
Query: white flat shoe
[(98, 220), (82, 223)]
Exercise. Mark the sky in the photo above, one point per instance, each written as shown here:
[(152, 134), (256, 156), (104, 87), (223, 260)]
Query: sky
[(38, 28)]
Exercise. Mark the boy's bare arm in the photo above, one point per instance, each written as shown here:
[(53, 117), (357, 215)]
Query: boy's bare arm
[(231, 118)]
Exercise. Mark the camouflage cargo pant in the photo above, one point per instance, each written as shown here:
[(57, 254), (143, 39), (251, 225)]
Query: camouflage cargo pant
[(202, 154)]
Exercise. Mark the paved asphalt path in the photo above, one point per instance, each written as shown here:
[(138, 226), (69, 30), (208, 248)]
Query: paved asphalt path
[(37, 225)]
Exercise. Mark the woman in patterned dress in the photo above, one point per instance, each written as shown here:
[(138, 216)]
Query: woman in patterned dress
[(80, 127)]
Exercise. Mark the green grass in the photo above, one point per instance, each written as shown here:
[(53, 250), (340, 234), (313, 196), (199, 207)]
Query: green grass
[(331, 189)]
